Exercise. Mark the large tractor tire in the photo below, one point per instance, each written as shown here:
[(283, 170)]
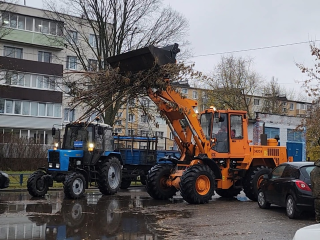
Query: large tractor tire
[(156, 182), (228, 193), (74, 186), (125, 183), (110, 174), (253, 179), (36, 184), (197, 184)]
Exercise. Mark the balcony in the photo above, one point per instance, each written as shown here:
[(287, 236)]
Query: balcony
[(22, 65), (33, 38)]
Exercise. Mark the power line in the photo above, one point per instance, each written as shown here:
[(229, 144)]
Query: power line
[(253, 49)]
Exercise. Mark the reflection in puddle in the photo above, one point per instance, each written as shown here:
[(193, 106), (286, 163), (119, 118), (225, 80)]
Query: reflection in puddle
[(93, 217)]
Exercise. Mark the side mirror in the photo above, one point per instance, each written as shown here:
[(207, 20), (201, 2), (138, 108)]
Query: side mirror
[(53, 131), (100, 130)]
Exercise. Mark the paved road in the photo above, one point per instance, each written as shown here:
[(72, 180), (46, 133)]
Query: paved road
[(132, 214)]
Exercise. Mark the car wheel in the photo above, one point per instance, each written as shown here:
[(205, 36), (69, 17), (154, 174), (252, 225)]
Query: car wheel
[(262, 202), (291, 207)]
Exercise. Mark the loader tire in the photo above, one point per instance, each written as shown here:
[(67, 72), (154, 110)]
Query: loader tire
[(110, 175), (197, 184), (36, 184), (74, 186), (253, 179), (156, 182), (228, 193)]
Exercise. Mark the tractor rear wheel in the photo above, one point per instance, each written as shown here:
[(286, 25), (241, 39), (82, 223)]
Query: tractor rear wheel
[(228, 193), (74, 185), (253, 179), (156, 182), (125, 183), (37, 186), (110, 176), (197, 184)]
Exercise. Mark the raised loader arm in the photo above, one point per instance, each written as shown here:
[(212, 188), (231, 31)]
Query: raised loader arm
[(190, 138)]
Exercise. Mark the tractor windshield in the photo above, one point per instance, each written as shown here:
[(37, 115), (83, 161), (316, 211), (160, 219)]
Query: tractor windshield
[(78, 137)]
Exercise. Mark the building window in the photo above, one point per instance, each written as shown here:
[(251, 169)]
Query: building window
[(184, 90), (130, 132), (145, 102), (118, 130), (159, 134), (119, 114), (93, 39), (131, 118), (194, 94), (144, 118), (12, 52), (144, 133), (44, 56), (69, 115), (72, 36), (118, 122), (291, 106), (71, 62), (131, 102), (256, 102), (171, 136), (92, 65)]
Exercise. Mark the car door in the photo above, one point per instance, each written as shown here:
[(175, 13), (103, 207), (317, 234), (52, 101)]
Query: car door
[(283, 184), (271, 191)]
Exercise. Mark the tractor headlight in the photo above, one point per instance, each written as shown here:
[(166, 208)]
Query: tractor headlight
[(50, 165), (91, 146), (57, 165), (56, 145)]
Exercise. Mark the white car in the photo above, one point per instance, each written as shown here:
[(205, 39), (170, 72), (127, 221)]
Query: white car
[(4, 180), (311, 232)]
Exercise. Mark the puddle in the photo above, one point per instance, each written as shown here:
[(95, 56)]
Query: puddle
[(93, 217)]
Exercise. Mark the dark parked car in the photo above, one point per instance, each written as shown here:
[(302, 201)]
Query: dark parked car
[(4, 180), (289, 186)]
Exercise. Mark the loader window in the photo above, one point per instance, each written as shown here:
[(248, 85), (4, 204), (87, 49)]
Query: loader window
[(220, 132), (236, 127), (206, 124)]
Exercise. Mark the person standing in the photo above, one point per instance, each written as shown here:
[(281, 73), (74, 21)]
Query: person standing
[(315, 186)]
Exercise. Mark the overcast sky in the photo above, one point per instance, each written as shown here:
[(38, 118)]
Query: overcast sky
[(221, 26)]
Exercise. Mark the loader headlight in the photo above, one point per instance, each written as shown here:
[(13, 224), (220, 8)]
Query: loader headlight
[(57, 165), (56, 145), (91, 146), (50, 165)]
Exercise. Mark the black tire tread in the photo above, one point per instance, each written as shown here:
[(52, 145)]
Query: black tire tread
[(32, 187), (249, 185), (187, 184), (67, 185), (103, 183), (153, 186)]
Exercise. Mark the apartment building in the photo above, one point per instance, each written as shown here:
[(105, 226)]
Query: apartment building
[(35, 59), (30, 99)]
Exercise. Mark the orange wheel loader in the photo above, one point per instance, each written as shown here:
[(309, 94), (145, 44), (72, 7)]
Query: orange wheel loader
[(216, 153)]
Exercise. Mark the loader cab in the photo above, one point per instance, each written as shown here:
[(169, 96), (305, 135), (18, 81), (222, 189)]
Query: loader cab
[(225, 130)]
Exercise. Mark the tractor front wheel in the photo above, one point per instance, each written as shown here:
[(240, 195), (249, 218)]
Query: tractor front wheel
[(37, 185), (156, 182), (74, 185), (110, 173), (197, 184), (253, 179)]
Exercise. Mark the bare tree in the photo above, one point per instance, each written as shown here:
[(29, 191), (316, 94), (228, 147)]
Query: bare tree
[(97, 29), (312, 83), (274, 98), (232, 82)]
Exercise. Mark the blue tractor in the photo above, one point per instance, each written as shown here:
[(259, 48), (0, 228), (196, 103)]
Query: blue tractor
[(86, 158)]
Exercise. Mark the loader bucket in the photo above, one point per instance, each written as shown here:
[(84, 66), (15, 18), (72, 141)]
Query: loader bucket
[(144, 58)]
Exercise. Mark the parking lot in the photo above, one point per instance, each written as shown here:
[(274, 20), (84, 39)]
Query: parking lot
[(132, 214)]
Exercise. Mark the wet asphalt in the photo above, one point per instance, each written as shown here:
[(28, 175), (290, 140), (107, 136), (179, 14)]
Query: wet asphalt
[(133, 214)]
